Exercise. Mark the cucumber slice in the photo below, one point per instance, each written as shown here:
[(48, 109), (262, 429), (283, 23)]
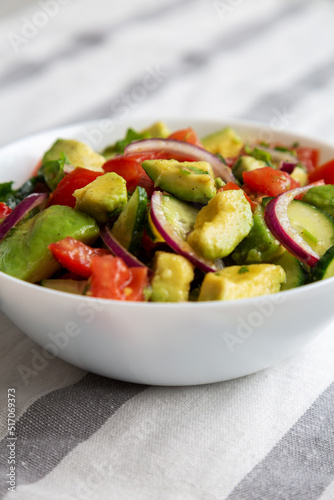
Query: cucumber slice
[(152, 232), (295, 274), (180, 214), (325, 266), (129, 227), (313, 224), (69, 286)]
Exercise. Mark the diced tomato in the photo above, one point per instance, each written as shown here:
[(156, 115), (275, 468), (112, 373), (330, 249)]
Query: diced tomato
[(135, 289), (130, 169), (112, 279), (4, 210), (75, 256), (269, 181), (230, 186), (186, 135), (325, 172), (77, 179), (309, 157)]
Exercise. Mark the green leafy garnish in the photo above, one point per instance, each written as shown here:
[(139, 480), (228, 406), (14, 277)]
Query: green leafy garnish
[(284, 150), (119, 146), (243, 269), (184, 171), (53, 171)]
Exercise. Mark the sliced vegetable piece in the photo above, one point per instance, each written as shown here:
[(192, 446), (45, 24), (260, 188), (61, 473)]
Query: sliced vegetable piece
[(186, 135), (321, 197), (79, 178), (225, 142), (20, 211), (129, 227), (325, 266), (231, 186), (295, 273), (112, 279), (325, 172), (269, 181), (182, 149), (78, 153), (4, 210), (309, 157), (188, 181), (118, 250), (69, 286), (314, 225), (109, 277), (173, 238), (277, 219), (75, 256), (181, 215), (278, 154), (172, 277)]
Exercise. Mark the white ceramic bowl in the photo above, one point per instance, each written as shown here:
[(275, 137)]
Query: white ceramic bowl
[(165, 344)]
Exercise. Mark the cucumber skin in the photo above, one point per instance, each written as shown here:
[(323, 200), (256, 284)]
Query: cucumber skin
[(319, 272), (296, 275)]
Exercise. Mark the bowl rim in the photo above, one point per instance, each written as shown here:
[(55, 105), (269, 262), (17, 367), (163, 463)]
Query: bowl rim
[(233, 123)]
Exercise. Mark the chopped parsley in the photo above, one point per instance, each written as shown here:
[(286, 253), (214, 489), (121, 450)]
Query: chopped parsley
[(243, 269)]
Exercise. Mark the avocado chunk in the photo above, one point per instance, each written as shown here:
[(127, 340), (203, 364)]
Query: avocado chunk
[(246, 164), (321, 197), (102, 198), (24, 253), (260, 245), (299, 174), (78, 153), (172, 277), (225, 142), (221, 225), (188, 180), (243, 282), (158, 129)]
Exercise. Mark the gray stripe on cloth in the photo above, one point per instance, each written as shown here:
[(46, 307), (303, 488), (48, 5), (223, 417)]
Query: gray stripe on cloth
[(301, 465), (317, 78), (81, 43), (194, 61), (59, 421)]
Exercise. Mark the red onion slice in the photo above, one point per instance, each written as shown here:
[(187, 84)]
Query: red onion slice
[(277, 219), (184, 149), (175, 241), (118, 250), (20, 211), (287, 167)]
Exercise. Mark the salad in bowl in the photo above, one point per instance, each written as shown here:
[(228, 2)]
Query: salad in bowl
[(168, 216)]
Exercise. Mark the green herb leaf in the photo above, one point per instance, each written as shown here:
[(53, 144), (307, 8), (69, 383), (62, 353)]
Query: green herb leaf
[(243, 269), (119, 146)]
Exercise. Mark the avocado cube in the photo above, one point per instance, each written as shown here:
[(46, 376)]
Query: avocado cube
[(78, 153), (172, 277), (246, 164), (24, 253), (225, 142), (260, 245), (102, 198), (243, 282), (221, 225), (299, 174), (188, 180), (158, 129)]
